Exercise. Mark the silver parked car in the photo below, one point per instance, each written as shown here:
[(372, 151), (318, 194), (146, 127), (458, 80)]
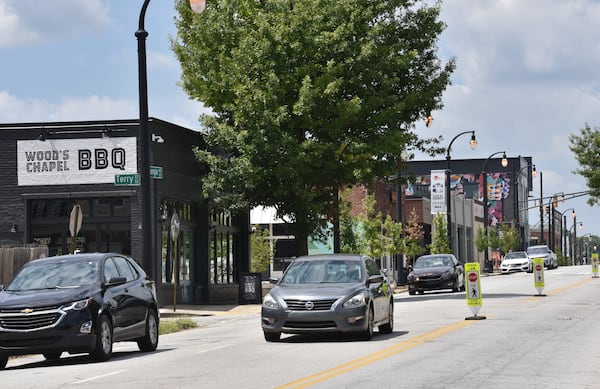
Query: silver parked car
[(329, 293)]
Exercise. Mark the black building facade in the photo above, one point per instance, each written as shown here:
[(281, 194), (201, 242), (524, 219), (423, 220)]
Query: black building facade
[(76, 186)]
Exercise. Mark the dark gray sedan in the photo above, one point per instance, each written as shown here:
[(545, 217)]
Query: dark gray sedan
[(435, 272), (329, 293)]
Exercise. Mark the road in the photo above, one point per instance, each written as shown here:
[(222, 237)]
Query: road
[(526, 341)]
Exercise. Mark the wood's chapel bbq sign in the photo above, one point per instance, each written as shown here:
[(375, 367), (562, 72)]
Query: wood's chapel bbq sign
[(75, 161)]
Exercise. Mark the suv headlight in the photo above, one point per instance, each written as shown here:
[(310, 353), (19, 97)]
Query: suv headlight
[(269, 302), (358, 300), (77, 305)]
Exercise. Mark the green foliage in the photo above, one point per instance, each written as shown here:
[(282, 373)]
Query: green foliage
[(308, 97), (510, 239), (350, 241), (439, 238), (380, 236), (180, 324), (586, 148), (260, 250), (413, 234), (481, 241)]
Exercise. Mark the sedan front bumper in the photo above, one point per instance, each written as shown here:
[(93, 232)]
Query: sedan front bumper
[(337, 319)]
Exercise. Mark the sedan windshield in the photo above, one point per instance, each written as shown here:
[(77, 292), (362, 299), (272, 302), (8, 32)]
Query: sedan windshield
[(55, 275), (433, 262), (327, 271)]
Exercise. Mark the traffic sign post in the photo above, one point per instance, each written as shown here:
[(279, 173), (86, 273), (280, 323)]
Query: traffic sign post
[(595, 265), (156, 172), (538, 275), (132, 179), (473, 289)]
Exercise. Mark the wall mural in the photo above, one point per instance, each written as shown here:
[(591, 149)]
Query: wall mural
[(498, 187)]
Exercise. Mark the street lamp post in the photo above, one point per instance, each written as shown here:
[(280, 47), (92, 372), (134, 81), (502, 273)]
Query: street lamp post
[(575, 222), (472, 144), (517, 216), (487, 264), (552, 205), (141, 34), (563, 240)]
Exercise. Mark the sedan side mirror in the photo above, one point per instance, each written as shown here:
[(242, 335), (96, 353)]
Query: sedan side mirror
[(375, 279), (115, 281)]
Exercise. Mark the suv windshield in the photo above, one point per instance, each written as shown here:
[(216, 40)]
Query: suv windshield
[(54, 275), (537, 250)]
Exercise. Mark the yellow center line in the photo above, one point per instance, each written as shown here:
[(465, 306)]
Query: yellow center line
[(376, 356)]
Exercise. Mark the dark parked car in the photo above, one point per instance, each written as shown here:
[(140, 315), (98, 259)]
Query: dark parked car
[(77, 304), (329, 293), (436, 272)]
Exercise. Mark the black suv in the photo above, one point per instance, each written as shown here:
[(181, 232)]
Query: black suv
[(77, 304)]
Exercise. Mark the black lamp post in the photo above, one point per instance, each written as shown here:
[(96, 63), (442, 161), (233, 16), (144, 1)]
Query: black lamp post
[(574, 243), (145, 146), (487, 264), (472, 144), (563, 241)]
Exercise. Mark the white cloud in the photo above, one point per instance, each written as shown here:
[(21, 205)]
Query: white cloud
[(28, 22), (15, 110)]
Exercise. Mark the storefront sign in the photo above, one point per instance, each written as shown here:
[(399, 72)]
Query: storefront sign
[(75, 161)]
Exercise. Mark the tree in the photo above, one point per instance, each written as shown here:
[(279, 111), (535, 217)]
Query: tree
[(439, 238), (510, 239), (413, 234), (380, 236), (481, 240), (308, 97), (349, 228), (261, 252), (586, 148)]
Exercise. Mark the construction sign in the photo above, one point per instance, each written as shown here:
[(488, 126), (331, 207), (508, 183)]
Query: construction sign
[(538, 274), (473, 287)]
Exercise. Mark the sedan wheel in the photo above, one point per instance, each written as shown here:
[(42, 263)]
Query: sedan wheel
[(456, 287), (272, 336), (388, 328), (104, 340), (150, 341), (52, 356), (368, 333)]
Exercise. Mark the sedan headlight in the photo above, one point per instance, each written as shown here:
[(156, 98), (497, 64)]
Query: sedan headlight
[(76, 305), (447, 275), (269, 302), (358, 300)]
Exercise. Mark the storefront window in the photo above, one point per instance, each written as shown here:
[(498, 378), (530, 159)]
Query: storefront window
[(103, 229)]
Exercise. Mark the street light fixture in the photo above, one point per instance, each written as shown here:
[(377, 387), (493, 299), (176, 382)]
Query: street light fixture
[(472, 144), (487, 264), (141, 34)]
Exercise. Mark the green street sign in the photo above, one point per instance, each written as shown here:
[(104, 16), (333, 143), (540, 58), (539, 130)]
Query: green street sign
[(127, 179), (156, 172)]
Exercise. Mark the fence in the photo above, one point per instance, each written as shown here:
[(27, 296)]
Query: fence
[(12, 258)]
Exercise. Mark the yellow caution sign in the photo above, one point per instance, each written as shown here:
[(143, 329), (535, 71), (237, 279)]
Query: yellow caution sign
[(538, 275), (473, 288), (595, 264)]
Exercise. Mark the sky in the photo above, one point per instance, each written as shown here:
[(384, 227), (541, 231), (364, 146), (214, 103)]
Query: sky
[(527, 76)]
